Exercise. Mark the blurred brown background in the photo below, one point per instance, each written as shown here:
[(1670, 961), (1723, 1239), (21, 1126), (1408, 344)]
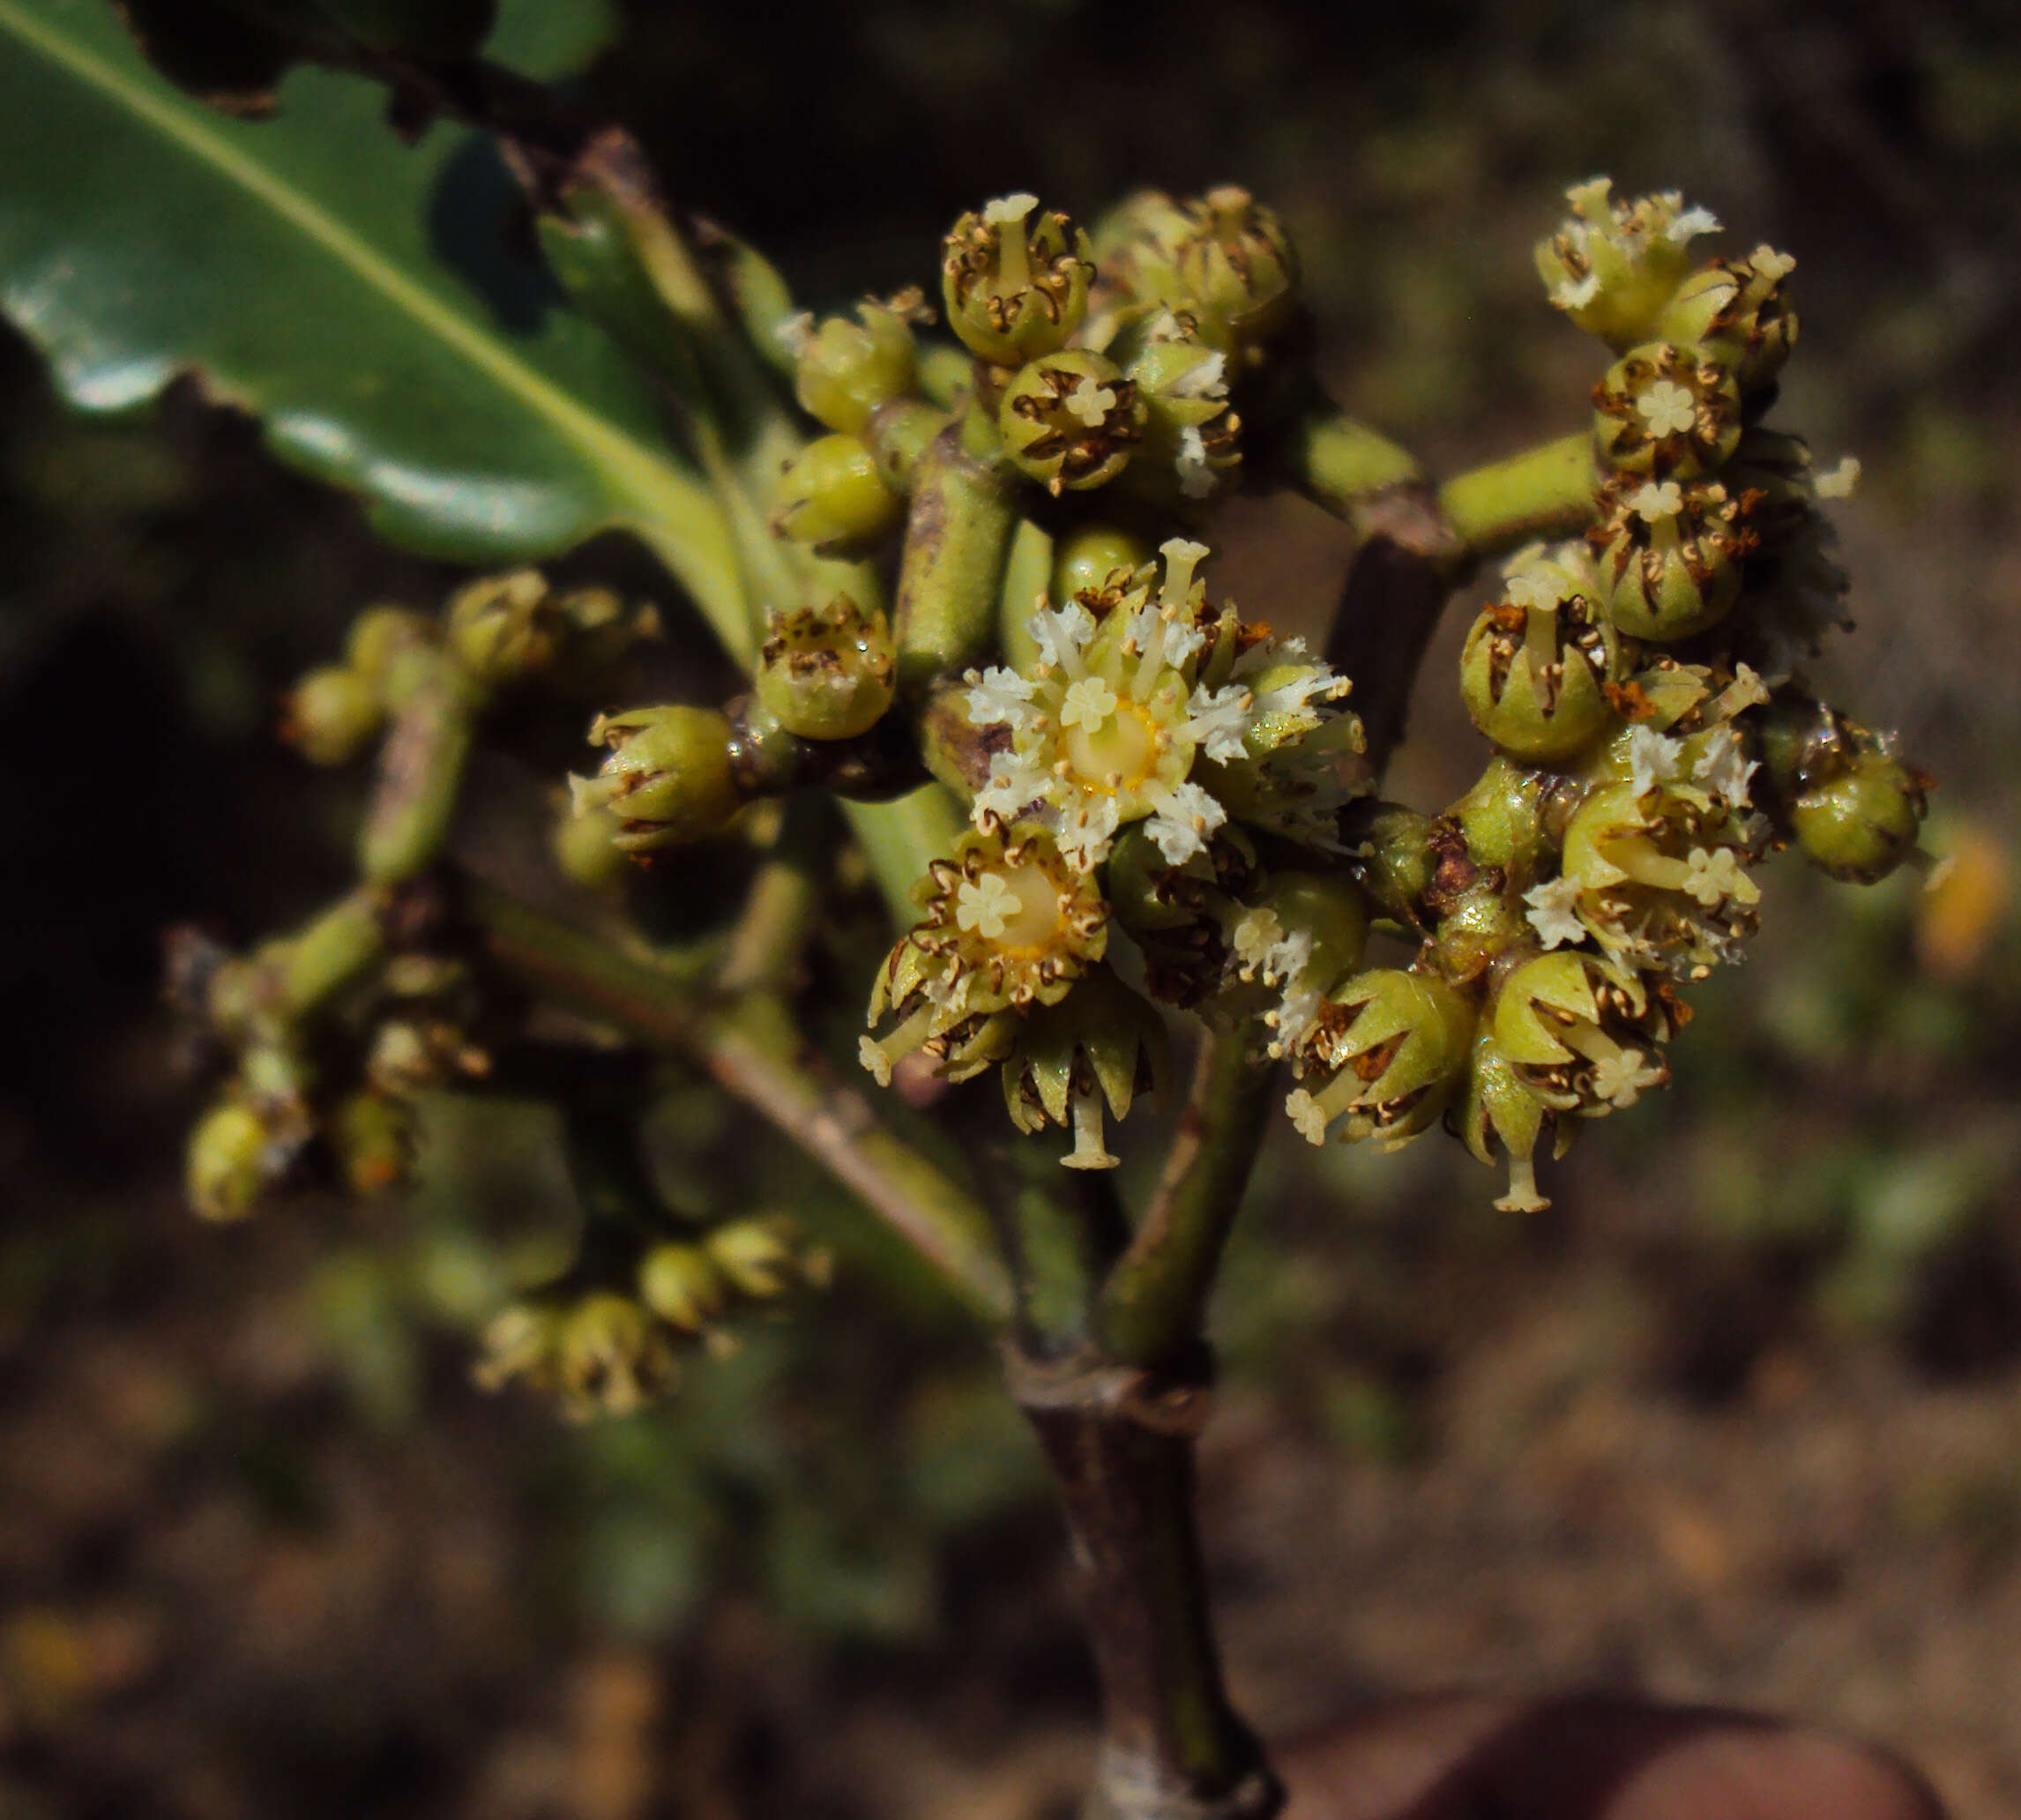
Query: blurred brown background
[(1740, 1418)]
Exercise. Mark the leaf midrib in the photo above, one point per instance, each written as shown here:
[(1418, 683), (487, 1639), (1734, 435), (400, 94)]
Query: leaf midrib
[(668, 503)]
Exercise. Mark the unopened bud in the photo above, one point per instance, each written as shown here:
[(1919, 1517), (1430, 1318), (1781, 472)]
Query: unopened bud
[(1096, 557), (584, 843), (380, 636), (610, 1358), (683, 1286), (1861, 824), (832, 496), (372, 1137), (503, 628), (828, 672), (668, 778), (847, 370), (331, 715), (1015, 279), (763, 1258), (233, 1159)]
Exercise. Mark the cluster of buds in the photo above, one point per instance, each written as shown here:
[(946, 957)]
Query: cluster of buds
[(608, 1341), (331, 1037), (500, 631), (330, 1031), (1653, 743)]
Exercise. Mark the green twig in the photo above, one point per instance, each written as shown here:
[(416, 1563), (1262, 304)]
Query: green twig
[(752, 1049), (770, 939), (898, 838), (1547, 492), (1339, 462), (957, 538), (1155, 1299)]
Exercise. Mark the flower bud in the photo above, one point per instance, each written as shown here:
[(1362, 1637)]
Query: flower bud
[(1666, 410), (1738, 309), (683, 1286), (380, 636), (1095, 558), (1236, 259), (847, 370), (763, 1258), (1393, 856), (668, 778), (1388, 1046), (1101, 1043), (597, 630), (832, 496), (503, 628), (1496, 1108), (1015, 280), (1533, 668), (1615, 265), (585, 845), (522, 1340), (828, 672), (1669, 556), (1477, 926), (233, 1159), (1506, 817), (1070, 420), (609, 1359), (1805, 743), (1181, 914), (331, 715), (1860, 825), (1581, 1033), (372, 1137)]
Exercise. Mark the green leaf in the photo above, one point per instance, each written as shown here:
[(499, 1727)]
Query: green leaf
[(356, 297), (550, 39)]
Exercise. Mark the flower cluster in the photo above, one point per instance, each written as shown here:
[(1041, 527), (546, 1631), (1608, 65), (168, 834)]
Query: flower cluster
[(1167, 805), (1653, 742), (1149, 742), (608, 1338)]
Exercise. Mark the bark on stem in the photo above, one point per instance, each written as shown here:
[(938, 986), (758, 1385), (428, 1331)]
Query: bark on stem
[(1409, 562), (1120, 1444)]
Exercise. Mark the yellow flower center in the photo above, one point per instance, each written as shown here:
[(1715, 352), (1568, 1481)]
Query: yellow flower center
[(1119, 752), (1014, 911)]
